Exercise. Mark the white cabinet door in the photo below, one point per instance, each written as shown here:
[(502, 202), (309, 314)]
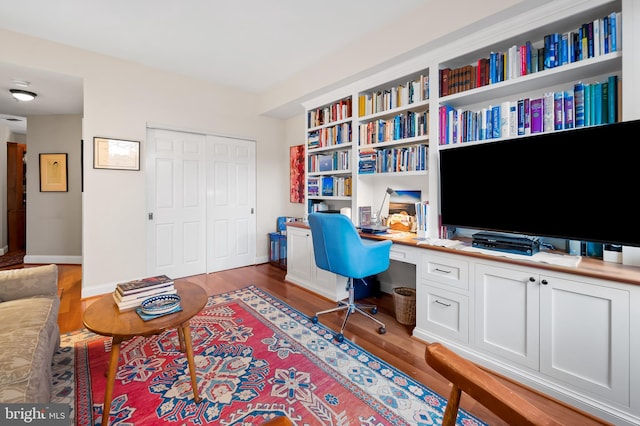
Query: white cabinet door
[(443, 313), (299, 255), (584, 331), (507, 304), (302, 269)]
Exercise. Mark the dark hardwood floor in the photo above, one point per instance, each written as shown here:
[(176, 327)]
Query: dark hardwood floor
[(397, 346)]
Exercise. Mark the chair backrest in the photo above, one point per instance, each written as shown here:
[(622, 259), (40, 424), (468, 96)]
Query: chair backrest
[(467, 377), (338, 248)]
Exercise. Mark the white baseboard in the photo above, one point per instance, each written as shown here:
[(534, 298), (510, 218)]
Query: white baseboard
[(70, 260)]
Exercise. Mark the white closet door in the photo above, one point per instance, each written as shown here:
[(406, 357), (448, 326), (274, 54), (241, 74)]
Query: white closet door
[(176, 189), (231, 218)]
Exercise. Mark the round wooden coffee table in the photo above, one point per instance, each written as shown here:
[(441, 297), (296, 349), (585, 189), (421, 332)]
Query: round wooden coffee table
[(102, 317)]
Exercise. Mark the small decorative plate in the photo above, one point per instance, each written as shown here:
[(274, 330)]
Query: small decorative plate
[(160, 304)]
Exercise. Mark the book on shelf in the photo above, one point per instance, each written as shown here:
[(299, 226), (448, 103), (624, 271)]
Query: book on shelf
[(143, 284), (537, 115), (612, 106), (569, 109), (558, 110), (578, 104)]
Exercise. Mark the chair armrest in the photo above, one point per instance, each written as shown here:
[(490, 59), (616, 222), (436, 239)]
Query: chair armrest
[(28, 282)]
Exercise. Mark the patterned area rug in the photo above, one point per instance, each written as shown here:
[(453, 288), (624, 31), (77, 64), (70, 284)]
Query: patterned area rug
[(256, 357)]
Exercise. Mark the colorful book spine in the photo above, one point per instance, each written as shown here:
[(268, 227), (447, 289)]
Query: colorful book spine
[(558, 109), (605, 103), (596, 106), (587, 105), (548, 112), (505, 126), (612, 106), (521, 117), (578, 104), (537, 115), (527, 116), (513, 118), (568, 113), (495, 121)]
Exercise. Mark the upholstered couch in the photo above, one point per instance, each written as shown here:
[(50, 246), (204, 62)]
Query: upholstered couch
[(29, 333)]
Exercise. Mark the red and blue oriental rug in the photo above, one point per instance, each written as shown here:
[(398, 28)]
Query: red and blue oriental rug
[(256, 357)]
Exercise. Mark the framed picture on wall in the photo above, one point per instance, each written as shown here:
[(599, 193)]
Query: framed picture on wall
[(296, 174), (53, 173), (117, 154)]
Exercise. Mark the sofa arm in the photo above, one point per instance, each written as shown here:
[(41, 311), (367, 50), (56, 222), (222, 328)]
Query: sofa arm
[(28, 282)]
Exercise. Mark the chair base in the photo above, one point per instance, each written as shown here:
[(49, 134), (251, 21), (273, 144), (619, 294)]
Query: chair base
[(350, 307)]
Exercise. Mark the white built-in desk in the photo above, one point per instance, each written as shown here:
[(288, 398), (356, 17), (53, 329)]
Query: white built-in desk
[(572, 332)]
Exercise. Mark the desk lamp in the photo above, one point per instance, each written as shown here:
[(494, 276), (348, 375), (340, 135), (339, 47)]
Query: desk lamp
[(378, 218)]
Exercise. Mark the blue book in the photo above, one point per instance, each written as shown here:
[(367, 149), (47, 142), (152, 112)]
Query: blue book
[(568, 109), (578, 104), (327, 185), (587, 105), (558, 110), (521, 117), (613, 25), (596, 94), (612, 105), (495, 121)]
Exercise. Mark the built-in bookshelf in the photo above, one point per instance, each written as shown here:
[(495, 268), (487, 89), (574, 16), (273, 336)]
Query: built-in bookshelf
[(393, 126), (387, 134), (569, 77), (329, 153), (514, 77)]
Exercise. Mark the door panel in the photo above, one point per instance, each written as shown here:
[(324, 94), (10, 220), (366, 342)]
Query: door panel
[(231, 216), (176, 200)]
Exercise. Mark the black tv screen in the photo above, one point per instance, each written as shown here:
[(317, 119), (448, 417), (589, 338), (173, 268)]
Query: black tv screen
[(577, 184)]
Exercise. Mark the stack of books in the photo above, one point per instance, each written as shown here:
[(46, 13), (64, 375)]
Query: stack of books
[(131, 294)]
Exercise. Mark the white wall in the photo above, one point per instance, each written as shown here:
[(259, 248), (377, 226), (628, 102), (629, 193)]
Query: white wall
[(54, 219), (295, 131), (120, 99)]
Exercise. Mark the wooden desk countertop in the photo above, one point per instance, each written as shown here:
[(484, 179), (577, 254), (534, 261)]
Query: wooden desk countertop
[(588, 267)]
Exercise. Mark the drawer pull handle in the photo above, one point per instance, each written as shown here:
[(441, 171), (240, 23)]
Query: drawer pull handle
[(442, 270), (442, 303)]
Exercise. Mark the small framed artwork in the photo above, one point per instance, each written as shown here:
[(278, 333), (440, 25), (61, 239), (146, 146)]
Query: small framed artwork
[(53, 173), (117, 154)]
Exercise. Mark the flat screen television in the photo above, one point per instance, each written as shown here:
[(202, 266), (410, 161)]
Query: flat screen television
[(580, 184)]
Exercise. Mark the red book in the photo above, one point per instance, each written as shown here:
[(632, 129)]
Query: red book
[(444, 81)]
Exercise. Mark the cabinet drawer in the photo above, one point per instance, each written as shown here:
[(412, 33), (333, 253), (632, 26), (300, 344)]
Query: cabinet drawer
[(445, 313), (404, 253), (445, 270)]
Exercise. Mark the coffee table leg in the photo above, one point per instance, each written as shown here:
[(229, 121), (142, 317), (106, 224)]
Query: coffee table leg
[(186, 335), (111, 377)]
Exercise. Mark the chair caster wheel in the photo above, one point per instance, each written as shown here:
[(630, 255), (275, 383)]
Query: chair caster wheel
[(314, 319), (374, 311), (382, 330), (339, 338)]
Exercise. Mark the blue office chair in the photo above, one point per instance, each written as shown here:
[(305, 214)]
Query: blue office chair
[(338, 248)]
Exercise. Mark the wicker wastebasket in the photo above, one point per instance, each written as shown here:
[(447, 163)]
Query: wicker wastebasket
[(404, 299)]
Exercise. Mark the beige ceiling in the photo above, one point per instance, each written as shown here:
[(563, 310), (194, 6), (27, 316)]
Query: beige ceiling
[(252, 44)]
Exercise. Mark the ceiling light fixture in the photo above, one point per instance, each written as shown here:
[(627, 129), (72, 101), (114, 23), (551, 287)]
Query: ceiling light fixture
[(22, 95)]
